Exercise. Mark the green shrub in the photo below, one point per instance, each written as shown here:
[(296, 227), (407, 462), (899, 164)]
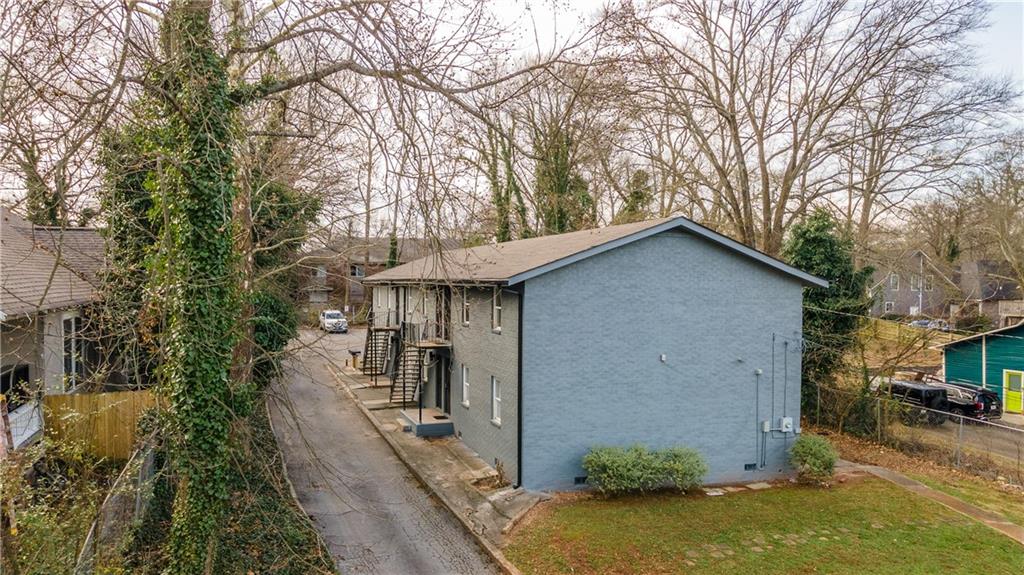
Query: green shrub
[(684, 467), (814, 458), (636, 469)]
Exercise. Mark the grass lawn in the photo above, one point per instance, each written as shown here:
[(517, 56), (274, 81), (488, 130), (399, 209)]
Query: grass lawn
[(866, 526), (980, 493)]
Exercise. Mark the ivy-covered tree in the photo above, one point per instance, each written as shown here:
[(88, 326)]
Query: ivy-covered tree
[(561, 193), (637, 203), (831, 315), (393, 254)]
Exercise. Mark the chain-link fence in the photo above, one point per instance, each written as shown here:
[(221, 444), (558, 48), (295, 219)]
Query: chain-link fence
[(992, 449)]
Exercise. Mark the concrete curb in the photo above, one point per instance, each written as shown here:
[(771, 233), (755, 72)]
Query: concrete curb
[(490, 548)]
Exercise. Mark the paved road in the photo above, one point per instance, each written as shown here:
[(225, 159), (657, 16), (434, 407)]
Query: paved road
[(374, 516)]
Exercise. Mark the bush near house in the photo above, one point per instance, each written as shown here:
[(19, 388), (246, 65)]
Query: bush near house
[(636, 469), (814, 457)]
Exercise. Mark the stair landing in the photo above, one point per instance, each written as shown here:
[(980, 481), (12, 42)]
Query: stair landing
[(435, 423)]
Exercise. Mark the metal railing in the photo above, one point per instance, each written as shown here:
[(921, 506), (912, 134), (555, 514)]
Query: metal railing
[(993, 449)]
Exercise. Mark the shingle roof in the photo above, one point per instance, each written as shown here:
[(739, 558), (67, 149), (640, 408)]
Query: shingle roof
[(81, 249), (358, 250), (514, 262), (31, 278)]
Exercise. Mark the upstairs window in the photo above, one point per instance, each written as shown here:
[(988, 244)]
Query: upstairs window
[(894, 281), (929, 282), (74, 353), (915, 282), (496, 310), (356, 271), (320, 272), (465, 306)]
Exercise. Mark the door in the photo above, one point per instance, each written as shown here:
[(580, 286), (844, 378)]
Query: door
[(1013, 391), (443, 387)]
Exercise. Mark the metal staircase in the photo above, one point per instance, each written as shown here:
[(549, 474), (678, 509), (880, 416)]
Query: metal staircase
[(375, 355), (407, 376)]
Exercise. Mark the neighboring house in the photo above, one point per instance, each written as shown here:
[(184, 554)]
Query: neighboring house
[(986, 288), (45, 288), (911, 285), (662, 333), (991, 360), (336, 272)]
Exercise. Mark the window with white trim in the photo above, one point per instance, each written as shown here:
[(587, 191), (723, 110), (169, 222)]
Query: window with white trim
[(889, 306), (929, 282), (915, 282), (496, 310), (74, 353), (894, 281), (495, 400), (465, 306), (465, 385), (320, 272)]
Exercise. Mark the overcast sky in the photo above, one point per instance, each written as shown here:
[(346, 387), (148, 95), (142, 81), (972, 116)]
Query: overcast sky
[(543, 22)]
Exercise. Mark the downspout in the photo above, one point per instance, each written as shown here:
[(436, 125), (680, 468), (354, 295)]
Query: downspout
[(519, 388)]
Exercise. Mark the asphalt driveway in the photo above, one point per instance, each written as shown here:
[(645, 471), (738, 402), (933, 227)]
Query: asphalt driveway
[(373, 514)]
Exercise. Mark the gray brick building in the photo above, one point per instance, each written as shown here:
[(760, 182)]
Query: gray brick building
[(662, 333)]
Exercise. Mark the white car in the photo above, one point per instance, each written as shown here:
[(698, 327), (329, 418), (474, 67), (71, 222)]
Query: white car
[(333, 321)]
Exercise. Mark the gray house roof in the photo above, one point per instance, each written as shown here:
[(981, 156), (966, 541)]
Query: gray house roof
[(31, 278), (511, 263)]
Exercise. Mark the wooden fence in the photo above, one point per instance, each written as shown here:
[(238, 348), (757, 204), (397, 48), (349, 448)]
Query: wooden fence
[(106, 422)]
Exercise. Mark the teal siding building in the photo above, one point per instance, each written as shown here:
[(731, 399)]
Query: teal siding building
[(992, 360)]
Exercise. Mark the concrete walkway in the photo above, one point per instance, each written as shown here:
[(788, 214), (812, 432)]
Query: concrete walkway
[(1000, 524), (373, 514)]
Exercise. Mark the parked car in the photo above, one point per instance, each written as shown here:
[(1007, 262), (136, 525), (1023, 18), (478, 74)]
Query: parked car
[(971, 402), (925, 403), (333, 321), (939, 325), (921, 323)]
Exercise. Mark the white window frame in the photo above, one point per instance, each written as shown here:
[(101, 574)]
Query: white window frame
[(894, 285), (357, 271), (929, 282), (496, 305), (321, 272), (915, 282), (72, 366), (888, 306), (495, 401), (465, 306), (465, 385)]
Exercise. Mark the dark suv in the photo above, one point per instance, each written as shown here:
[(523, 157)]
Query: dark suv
[(916, 395), (971, 402)]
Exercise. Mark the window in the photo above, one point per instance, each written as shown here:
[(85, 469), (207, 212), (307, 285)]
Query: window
[(465, 306), (14, 385), (915, 282), (929, 282), (356, 271), (889, 306), (495, 401), (496, 310), (74, 353), (894, 281), (465, 385), (320, 272)]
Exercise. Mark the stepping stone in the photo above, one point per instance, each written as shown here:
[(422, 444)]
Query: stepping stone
[(843, 530), (734, 488), (757, 550), (877, 526), (759, 486), (713, 492), (692, 553), (689, 563), (718, 555)]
